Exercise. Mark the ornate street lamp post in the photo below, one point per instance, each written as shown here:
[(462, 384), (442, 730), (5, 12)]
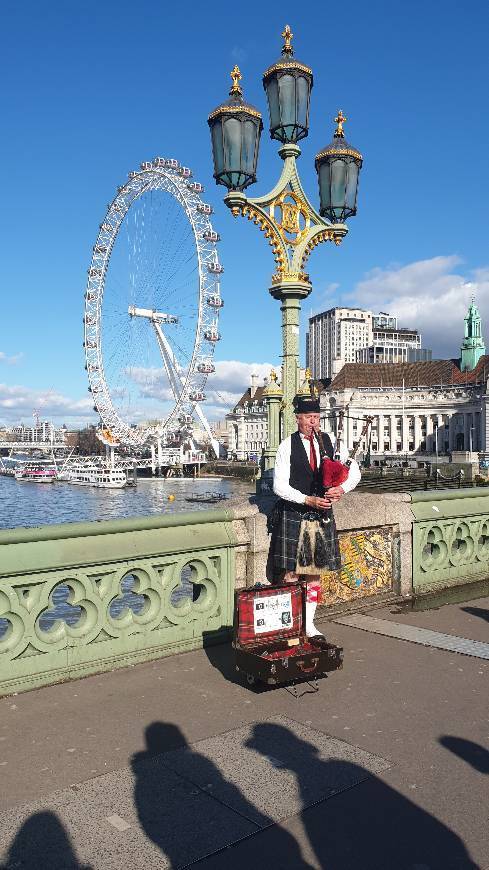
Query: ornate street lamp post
[(285, 215)]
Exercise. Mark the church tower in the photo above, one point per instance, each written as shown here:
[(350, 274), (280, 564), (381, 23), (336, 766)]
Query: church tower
[(473, 346)]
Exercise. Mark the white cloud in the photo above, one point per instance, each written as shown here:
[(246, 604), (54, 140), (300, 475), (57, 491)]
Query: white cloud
[(18, 402), (235, 376), (429, 295), (223, 389), (10, 360)]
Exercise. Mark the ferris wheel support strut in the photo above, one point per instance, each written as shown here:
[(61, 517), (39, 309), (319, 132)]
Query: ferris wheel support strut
[(172, 370)]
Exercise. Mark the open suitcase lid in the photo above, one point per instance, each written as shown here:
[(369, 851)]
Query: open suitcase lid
[(271, 613)]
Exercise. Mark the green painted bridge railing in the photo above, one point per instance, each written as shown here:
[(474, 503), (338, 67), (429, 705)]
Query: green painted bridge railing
[(83, 598), (181, 573), (450, 538)]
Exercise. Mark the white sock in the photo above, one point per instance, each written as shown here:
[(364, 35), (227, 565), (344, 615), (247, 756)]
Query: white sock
[(311, 629)]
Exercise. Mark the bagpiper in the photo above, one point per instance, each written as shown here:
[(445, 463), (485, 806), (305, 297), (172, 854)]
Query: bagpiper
[(304, 539)]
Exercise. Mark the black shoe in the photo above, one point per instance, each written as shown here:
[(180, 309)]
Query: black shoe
[(318, 640)]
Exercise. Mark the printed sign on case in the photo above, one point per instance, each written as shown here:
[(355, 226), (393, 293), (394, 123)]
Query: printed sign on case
[(272, 613)]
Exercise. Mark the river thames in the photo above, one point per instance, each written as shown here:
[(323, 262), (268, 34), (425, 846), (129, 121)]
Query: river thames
[(37, 504)]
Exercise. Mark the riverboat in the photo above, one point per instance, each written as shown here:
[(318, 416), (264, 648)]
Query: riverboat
[(36, 474), (92, 475), (206, 497)]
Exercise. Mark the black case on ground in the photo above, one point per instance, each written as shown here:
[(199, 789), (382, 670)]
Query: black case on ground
[(269, 638)]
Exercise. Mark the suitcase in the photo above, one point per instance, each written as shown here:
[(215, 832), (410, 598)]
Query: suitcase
[(269, 637)]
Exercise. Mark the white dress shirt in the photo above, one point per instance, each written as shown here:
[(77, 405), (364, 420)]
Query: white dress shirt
[(281, 474)]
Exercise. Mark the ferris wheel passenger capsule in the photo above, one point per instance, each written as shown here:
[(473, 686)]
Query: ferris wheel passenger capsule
[(215, 301), (204, 208), (211, 236), (197, 396), (185, 419), (195, 186), (206, 368), (212, 334), (215, 268), (185, 172), (146, 164), (171, 163)]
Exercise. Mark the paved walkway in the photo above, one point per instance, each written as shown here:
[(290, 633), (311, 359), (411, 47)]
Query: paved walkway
[(175, 763)]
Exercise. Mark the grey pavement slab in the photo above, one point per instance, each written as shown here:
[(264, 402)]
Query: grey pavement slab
[(465, 618), (424, 636), (421, 707), (273, 769), (139, 818)]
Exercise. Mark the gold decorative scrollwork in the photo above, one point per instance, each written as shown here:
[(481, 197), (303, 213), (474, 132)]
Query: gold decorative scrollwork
[(323, 236), (285, 276), (295, 218), (268, 229)]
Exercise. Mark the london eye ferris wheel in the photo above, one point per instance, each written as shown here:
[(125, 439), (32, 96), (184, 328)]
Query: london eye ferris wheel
[(152, 305)]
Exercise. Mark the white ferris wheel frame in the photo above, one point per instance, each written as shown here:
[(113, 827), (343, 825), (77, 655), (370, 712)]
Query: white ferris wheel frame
[(158, 174)]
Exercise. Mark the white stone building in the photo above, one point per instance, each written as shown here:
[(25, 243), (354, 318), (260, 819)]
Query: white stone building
[(247, 424), (390, 343), (417, 408), (43, 432), (347, 335)]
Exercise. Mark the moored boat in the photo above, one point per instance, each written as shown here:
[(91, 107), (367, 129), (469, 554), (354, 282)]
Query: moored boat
[(36, 473), (93, 475), (206, 497)]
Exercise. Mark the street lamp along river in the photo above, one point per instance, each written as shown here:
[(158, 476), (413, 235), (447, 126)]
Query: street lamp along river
[(285, 215)]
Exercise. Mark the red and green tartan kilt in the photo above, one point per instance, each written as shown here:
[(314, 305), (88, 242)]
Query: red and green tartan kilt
[(285, 540)]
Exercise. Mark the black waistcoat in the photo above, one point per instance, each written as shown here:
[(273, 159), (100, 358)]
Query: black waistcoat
[(302, 477)]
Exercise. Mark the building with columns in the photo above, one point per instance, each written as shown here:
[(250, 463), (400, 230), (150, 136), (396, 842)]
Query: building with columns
[(247, 423), (430, 407)]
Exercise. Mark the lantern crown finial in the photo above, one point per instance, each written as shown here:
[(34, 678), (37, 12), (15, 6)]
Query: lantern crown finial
[(339, 121), (236, 78), (287, 35)]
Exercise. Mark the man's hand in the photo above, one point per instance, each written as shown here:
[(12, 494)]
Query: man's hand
[(321, 504), (335, 493)]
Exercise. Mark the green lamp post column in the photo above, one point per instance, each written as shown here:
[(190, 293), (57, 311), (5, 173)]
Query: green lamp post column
[(273, 396), (289, 222)]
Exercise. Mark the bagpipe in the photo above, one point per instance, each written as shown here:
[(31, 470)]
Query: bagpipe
[(333, 471)]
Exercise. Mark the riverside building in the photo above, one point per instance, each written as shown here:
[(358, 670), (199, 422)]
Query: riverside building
[(247, 423), (426, 407), (347, 335)]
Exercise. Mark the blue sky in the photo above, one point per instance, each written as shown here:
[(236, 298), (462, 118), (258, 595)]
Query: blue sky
[(89, 90)]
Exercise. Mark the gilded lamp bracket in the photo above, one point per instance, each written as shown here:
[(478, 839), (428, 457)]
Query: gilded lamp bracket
[(286, 217)]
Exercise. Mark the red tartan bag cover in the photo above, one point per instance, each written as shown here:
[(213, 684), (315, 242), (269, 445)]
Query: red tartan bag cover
[(334, 473), (271, 613)]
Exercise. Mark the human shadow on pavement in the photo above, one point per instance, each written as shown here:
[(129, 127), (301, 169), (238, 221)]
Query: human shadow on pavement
[(42, 843), (481, 612), (180, 816), (474, 754), (372, 827), (222, 658)]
